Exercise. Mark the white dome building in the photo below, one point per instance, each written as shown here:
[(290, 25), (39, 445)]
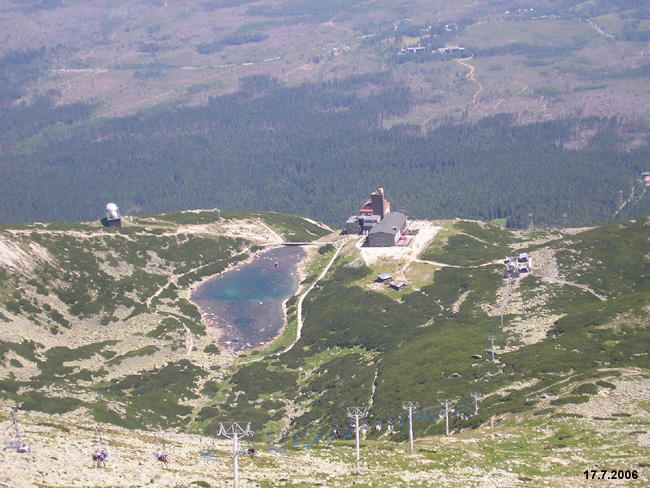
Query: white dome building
[(113, 218)]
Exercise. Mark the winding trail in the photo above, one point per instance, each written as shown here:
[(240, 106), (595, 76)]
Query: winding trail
[(189, 342), (374, 390), (298, 312), (173, 279), (581, 286), (626, 202), (470, 76), (276, 236), (302, 299)]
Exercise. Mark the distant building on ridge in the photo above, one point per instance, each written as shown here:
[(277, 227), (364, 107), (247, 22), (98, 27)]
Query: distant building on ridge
[(376, 220), (645, 177), (113, 217)]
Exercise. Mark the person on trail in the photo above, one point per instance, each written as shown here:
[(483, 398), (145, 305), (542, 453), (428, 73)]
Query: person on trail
[(164, 459), (251, 452), (102, 459)]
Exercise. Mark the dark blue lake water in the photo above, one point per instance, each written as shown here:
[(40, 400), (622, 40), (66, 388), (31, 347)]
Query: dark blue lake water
[(246, 302)]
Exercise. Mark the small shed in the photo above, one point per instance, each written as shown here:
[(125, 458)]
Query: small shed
[(524, 263), (398, 285), (384, 277)]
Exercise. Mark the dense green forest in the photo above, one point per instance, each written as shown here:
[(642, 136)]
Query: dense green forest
[(315, 149)]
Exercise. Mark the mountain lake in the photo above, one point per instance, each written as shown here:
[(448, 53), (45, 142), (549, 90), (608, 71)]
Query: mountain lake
[(246, 303)]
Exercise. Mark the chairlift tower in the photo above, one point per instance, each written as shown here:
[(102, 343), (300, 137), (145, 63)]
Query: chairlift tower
[(357, 413), (446, 404), (530, 218), (492, 339), (235, 431), (410, 406), (476, 395), (15, 437)]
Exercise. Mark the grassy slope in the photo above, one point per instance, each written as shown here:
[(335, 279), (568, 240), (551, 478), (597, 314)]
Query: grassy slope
[(409, 344), (358, 345), (104, 311)]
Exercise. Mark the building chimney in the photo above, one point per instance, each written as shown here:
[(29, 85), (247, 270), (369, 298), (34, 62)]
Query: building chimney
[(377, 199)]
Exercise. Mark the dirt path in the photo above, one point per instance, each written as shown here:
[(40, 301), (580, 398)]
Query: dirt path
[(276, 236), (302, 299), (189, 342), (471, 77), (625, 203), (583, 287), (173, 279), (374, 389), (299, 311), (544, 260)]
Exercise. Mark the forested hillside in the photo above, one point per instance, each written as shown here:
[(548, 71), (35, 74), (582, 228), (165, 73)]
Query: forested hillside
[(478, 110), (316, 149)]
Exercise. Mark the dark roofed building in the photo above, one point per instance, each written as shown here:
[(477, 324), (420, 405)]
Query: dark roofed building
[(369, 221), (387, 232), (354, 225), (398, 285), (372, 212)]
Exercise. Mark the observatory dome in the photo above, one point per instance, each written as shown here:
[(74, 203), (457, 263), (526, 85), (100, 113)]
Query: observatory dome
[(112, 212)]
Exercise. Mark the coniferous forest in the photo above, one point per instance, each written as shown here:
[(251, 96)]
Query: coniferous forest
[(315, 149)]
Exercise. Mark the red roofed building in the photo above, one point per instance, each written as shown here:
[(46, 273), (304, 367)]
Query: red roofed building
[(367, 208), (371, 213)]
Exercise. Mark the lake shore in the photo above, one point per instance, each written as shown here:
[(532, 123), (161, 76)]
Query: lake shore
[(228, 301)]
